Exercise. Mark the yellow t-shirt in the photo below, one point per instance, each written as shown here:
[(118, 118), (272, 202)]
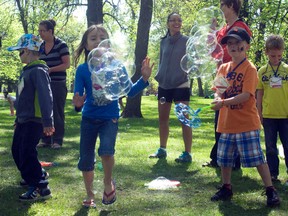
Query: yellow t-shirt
[(242, 117), (275, 97)]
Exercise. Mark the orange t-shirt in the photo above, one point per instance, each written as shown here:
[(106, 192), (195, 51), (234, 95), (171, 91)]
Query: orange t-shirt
[(242, 117)]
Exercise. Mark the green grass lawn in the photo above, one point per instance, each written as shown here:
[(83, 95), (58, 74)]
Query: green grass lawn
[(137, 138)]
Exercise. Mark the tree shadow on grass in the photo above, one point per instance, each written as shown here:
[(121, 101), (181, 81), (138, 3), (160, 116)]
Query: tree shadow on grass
[(17, 208), (82, 211), (231, 208), (175, 171), (163, 168), (106, 212)]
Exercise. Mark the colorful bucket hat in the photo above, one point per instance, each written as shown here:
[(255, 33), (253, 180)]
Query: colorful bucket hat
[(29, 41)]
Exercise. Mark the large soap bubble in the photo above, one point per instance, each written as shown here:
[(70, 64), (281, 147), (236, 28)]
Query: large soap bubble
[(203, 53), (212, 17), (109, 76)]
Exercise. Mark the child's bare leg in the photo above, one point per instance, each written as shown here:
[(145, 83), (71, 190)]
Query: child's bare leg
[(108, 164), (88, 181), (164, 112), (187, 137), (226, 174), (264, 172), (12, 109)]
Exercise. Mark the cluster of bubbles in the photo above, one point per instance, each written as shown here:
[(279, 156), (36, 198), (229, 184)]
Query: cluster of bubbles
[(203, 55), (108, 73), (183, 111), (203, 52)]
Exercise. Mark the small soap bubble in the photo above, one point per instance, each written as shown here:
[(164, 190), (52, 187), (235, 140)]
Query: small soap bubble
[(162, 100)]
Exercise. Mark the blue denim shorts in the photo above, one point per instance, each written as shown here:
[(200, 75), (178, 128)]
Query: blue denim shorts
[(90, 129), (247, 144)]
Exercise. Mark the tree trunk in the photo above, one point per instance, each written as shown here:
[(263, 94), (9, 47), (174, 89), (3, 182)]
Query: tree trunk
[(261, 30), (23, 16), (133, 105), (200, 87), (94, 12), (191, 86)]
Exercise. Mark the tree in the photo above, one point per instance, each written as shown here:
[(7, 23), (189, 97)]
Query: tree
[(31, 12), (9, 61), (94, 12), (264, 17), (133, 106)]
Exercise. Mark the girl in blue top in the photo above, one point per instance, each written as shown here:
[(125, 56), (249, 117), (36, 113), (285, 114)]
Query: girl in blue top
[(99, 118)]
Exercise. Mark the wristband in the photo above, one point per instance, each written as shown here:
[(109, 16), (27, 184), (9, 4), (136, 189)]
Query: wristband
[(222, 103)]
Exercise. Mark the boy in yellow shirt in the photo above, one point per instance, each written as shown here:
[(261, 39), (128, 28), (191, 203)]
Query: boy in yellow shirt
[(272, 97)]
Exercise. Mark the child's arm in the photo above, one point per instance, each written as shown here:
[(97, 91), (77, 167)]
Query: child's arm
[(79, 95), (231, 101), (260, 93), (217, 96), (48, 131)]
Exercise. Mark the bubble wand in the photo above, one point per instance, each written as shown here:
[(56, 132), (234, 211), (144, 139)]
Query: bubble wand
[(183, 111), (203, 108)]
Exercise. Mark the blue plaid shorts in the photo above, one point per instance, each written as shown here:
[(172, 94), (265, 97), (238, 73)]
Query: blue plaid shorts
[(247, 144)]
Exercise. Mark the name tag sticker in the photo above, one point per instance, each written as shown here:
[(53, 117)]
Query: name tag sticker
[(276, 82)]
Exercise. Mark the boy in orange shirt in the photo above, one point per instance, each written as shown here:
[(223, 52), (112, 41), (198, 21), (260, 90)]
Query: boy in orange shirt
[(238, 122)]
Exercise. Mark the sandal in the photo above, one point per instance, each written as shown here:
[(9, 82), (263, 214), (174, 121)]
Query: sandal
[(89, 203), (111, 194), (210, 164), (43, 145), (56, 146)]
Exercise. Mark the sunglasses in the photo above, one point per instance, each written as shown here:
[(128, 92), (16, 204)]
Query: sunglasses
[(175, 20)]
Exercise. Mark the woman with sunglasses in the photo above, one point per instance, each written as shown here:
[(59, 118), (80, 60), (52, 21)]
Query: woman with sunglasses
[(57, 57)]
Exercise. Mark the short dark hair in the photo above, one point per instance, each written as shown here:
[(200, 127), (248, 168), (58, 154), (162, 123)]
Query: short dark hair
[(275, 42), (236, 4), (49, 24)]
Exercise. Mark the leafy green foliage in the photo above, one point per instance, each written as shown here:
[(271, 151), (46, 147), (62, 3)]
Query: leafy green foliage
[(263, 17)]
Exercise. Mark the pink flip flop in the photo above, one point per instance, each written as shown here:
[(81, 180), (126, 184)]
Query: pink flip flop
[(89, 203), (111, 194)]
